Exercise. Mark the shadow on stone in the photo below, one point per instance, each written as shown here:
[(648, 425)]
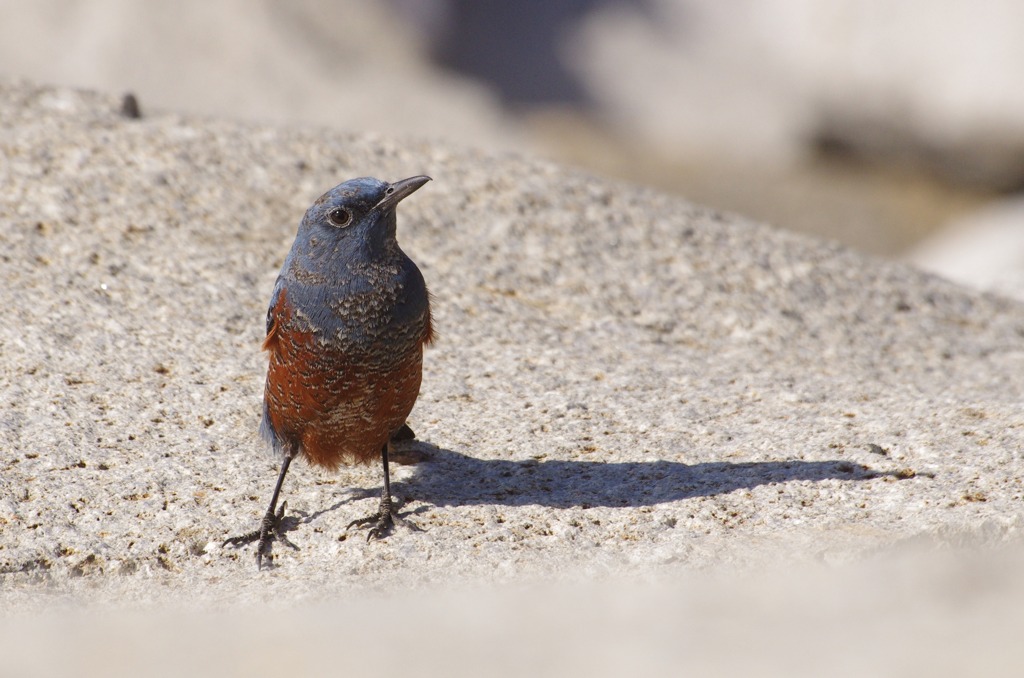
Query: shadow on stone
[(448, 478)]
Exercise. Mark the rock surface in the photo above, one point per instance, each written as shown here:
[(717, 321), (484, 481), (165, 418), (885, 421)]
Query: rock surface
[(626, 386)]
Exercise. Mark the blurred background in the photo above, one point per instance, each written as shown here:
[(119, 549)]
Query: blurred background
[(895, 126)]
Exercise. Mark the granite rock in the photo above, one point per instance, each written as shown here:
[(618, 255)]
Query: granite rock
[(625, 386)]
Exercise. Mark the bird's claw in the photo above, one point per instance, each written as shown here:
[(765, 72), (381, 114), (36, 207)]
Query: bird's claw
[(270, 528), (383, 521)]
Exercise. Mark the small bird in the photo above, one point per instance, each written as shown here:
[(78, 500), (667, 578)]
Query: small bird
[(348, 320)]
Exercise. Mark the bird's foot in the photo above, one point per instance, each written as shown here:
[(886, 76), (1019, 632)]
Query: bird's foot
[(270, 527), (383, 521)]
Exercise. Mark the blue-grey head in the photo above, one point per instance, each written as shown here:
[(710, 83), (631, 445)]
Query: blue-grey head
[(353, 222)]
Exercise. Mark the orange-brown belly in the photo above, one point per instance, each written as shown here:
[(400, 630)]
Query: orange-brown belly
[(340, 407)]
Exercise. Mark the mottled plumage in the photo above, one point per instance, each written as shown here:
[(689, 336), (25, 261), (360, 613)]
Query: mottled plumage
[(347, 323)]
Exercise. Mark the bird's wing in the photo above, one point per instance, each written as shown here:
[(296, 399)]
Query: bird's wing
[(277, 299)]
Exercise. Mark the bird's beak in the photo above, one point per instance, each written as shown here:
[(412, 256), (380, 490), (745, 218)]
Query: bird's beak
[(399, 190)]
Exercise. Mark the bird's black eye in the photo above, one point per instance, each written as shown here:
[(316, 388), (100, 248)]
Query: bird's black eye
[(339, 217)]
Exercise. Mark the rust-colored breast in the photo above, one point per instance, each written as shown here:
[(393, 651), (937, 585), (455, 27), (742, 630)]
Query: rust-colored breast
[(339, 400)]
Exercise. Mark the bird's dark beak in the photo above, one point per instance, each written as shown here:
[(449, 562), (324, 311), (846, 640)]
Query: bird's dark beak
[(400, 190)]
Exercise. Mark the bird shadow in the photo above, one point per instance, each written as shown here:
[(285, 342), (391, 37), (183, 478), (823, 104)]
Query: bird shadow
[(448, 478)]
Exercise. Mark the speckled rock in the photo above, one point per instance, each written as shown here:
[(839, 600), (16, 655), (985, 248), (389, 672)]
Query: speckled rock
[(625, 384)]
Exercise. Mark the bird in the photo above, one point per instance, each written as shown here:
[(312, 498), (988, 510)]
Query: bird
[(348, 320)]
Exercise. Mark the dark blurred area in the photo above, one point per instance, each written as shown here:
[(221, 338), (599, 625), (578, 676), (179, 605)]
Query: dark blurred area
[(516, 48), (897, 128), (513, 47)]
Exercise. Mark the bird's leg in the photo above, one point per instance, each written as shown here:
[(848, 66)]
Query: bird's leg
[(385, 517), (270, 526)]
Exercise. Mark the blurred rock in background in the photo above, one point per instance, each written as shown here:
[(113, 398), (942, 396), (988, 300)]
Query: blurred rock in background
[(347, 64), (984, 249), (873, 122)]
